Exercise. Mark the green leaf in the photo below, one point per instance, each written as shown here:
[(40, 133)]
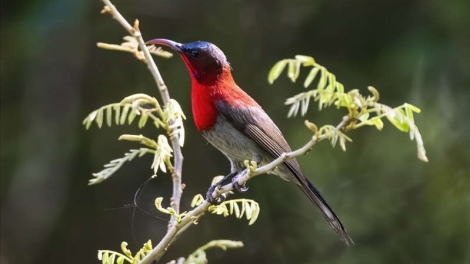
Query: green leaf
[(305, 60), (143, 119), (276, 70), (396, 117), (255, 213), (117, 109), (412, 108), (305, 104), (242, 211), (378, 123), (111, 259), (124, 114), (131, 117), (292, 70), (114, 165), (99, 118), (237, 209), (323, 79), (247, 210), (105, 258), (88, 123), (342, 143), (311, 76), (375, 93), (90, 119), (364, 117), (332, 81), (109, 116), (293, 109), (125, 250), (296, 69), (120, 260), (409, 114), (339, 88)]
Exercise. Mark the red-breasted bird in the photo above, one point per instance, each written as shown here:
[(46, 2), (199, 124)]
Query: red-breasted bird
[(236, 125)]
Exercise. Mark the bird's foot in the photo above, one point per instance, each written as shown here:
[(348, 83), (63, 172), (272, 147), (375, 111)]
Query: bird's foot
[(240, 188), (215, 201)]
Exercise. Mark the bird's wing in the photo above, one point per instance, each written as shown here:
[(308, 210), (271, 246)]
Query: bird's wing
[(257, 125)]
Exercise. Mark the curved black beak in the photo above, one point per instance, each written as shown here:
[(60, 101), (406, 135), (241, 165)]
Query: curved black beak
[(166, 42)]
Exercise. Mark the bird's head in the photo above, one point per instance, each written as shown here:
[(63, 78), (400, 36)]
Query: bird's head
[(204, 60)]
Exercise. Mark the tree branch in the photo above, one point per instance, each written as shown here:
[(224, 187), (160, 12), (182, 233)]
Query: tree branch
[(178, 156), (243, 177)]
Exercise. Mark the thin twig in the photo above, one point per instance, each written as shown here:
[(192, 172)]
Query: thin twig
[(178, 156), (188, 220), (244, 176)]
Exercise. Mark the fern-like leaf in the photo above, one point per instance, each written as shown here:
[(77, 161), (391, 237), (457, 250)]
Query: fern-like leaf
[(111, 257), (105, 113), (249, 208), (114, 165), (174, 114), (331, 92), (162, 157), (199, 255)]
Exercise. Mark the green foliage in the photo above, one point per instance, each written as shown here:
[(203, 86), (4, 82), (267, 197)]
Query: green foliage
[(148, 108), (116, 164), (249, 207), (169, 210), (111, 257), (334, 134), (199, 255), (361, 110)]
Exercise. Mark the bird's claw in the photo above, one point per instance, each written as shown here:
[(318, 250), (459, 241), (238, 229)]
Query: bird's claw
[(215, 201), (240, 188)]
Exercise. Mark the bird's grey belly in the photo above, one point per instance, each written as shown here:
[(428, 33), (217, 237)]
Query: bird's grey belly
[(233, 143), (237, 147)]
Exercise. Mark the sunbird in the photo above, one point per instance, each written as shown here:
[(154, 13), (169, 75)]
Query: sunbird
[(236, 125)]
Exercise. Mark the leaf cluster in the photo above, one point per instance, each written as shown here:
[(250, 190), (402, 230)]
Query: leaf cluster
[(199, 255), (249, 208), (238, 207), (146, 108), (111, 257), (362, 110)]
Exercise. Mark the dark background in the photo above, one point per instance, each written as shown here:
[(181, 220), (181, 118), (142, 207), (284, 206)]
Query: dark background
[(397, 208)]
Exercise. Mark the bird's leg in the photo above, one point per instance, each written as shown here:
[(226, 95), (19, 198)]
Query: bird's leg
[(243, 188), (220, 199), (240, 188)]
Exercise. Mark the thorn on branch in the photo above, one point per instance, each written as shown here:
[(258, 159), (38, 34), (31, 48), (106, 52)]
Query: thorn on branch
[(136, 25), (135, 29), (105, 10)]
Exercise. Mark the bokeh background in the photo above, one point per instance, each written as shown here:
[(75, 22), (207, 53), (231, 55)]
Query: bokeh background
[(397, 208)]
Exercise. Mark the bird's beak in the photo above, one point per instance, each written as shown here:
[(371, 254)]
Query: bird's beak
[(166, 42)]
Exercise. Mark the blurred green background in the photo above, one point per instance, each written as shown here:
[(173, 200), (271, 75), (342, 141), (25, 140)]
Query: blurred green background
[(397, 208)]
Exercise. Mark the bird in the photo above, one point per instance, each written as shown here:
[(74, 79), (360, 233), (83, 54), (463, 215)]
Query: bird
[(236, 125)]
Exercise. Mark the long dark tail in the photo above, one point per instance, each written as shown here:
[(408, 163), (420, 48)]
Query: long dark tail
[(314, 195)]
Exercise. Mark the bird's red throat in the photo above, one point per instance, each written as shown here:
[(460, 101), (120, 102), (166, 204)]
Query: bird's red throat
[(205, 96)]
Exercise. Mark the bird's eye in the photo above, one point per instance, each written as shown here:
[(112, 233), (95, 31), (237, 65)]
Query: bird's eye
[(194, 53)]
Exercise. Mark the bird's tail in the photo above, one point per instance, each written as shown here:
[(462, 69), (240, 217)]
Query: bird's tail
[(314, 195)]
